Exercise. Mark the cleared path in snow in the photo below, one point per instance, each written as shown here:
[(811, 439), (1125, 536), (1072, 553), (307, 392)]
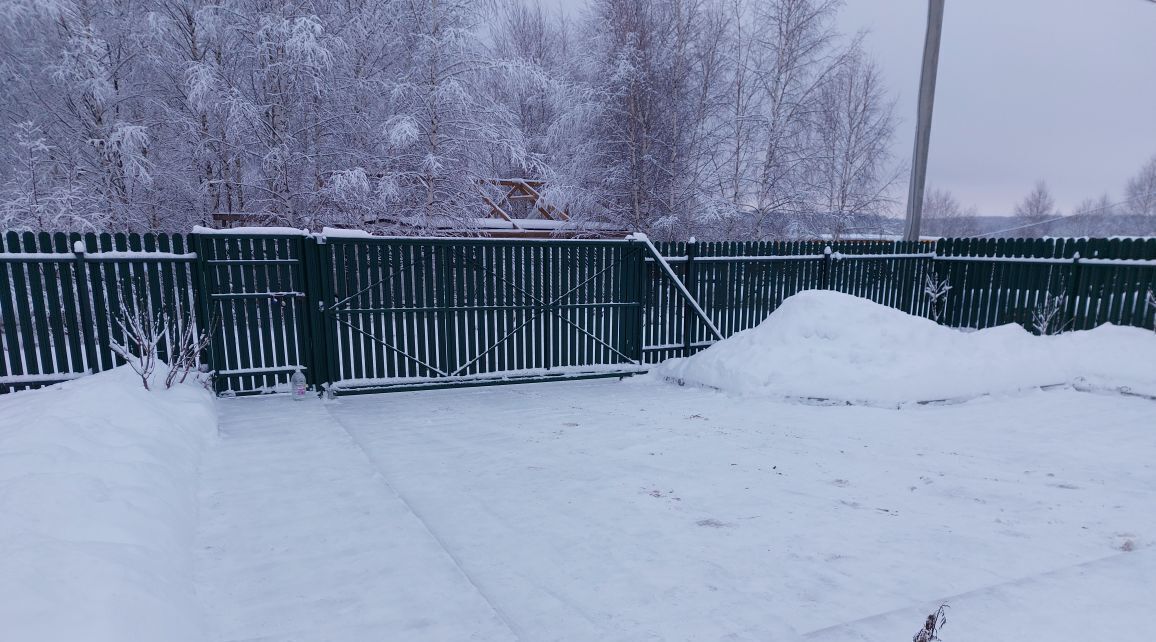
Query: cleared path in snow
[(640, 511), (301, 539)]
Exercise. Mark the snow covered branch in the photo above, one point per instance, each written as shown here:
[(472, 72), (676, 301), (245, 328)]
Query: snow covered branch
[(142, 332), (936, 290)]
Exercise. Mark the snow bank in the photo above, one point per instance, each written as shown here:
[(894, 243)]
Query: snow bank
[(828, 345), (98, 510)]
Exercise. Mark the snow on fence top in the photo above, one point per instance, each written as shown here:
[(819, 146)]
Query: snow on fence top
[(342, 233), (96, 256), (252, 231)]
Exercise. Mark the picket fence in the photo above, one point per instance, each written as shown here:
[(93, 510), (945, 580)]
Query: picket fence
[(358, 313)]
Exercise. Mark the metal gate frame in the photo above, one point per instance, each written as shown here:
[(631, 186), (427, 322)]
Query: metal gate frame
[(445, 308), (252, 296)]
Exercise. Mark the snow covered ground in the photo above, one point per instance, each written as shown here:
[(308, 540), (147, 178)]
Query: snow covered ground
[(607, 510), (98, 501), (639, 510)]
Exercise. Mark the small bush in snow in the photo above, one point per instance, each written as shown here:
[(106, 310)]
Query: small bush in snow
[(936, 291), (1048, 317), (186, 352), (932, 626), (143, 332)]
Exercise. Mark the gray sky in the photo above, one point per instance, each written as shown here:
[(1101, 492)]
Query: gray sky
[(1058, 90)]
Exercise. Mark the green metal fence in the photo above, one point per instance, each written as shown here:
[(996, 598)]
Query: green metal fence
[(1002, 281), (61, 296), (739, 284), (359, 313)]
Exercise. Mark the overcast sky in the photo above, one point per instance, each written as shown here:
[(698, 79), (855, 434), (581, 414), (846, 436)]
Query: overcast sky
[(1058, 90)]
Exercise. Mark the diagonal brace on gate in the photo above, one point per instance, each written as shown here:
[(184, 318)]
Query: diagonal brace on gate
[(387, 344), (536, 306), (544, 307)]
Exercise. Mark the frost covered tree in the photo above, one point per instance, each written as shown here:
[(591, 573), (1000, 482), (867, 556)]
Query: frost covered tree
[(41, 193), (720, 118), (796, 52), (442, 135), (79, 102)]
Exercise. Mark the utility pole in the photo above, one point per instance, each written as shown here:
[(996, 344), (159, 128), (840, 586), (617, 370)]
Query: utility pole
[(923, 125)]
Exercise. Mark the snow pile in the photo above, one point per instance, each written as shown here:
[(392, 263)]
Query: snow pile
[(98, 510), (827, 345)]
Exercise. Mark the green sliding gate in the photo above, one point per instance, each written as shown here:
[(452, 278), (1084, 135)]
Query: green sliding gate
[(363, 314), (405, 313)]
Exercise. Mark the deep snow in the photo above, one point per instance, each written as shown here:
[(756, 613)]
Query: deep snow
[(633, 510), (98, 510), (832, 346)]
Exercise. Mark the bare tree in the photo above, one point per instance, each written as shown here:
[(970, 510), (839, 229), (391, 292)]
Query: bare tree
[(1035, 211), (1140, 196), (851, 173), (944, 215), (1092, 217)]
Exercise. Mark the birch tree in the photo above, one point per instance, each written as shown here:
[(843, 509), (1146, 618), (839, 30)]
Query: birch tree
[(851, 173)]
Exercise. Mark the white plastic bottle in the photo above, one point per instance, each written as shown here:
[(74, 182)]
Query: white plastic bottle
[(298, 383)]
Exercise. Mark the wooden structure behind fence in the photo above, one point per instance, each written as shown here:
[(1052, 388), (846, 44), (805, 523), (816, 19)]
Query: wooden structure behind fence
[(361, 313)]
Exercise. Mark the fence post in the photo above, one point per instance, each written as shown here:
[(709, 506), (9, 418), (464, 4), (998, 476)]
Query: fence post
[(205, 287), (826, 280), (1070, 307), (640, 286), (688, 314), (317, 330), (87, 322)]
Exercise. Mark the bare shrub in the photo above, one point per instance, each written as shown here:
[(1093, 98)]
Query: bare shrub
[(143, 332), (1048, 317), (185, 353), (932, 626), (936, 289)]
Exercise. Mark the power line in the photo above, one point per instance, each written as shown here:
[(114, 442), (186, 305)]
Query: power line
[(1060, 218)]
